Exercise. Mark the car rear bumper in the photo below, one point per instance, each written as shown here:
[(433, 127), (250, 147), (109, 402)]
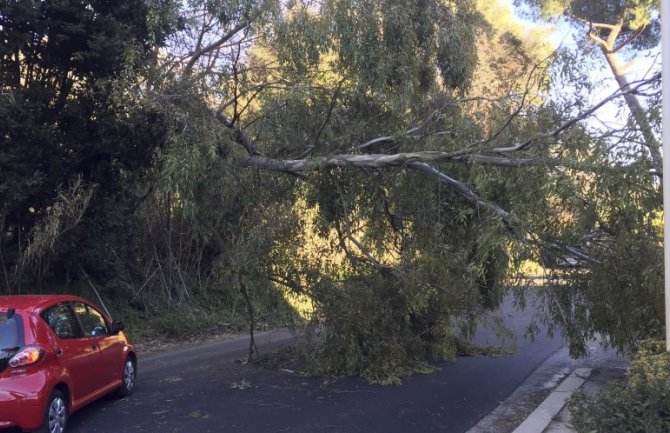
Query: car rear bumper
[(18, 409)]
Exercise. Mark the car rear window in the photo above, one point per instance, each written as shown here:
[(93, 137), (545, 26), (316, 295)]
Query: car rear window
[(11, 331)]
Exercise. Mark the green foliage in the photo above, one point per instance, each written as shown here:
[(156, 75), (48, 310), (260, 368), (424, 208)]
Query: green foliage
[(611, 213), (59, 64), (385, 325), (618, 294), (385, 48), (418, 264), (382, 321), (639, 405), (380, 331)]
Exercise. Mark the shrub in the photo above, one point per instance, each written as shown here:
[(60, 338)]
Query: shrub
[(640, 404)]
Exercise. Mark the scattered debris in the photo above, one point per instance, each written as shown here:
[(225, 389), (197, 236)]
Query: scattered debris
[(243, 384)]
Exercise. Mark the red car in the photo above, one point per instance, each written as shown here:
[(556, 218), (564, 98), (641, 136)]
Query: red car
[(57, 354)]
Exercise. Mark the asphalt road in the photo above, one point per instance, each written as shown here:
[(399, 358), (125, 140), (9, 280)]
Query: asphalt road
[(202, 389)]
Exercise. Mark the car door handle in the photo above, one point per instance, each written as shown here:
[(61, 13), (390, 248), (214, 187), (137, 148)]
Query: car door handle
[(93, 346)]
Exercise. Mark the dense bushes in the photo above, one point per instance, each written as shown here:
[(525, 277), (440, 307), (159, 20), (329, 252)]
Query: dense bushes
[(639, 405)]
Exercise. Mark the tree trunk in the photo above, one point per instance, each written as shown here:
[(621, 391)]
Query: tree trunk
[(243, 289), (250, 311), (638, 112)]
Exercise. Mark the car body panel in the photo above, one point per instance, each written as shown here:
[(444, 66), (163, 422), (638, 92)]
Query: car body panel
[(81, 362)]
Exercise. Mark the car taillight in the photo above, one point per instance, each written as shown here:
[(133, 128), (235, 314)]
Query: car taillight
[(26, 356)]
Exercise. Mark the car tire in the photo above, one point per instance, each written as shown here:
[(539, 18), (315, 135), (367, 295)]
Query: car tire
[(128, 379), (56, 414)]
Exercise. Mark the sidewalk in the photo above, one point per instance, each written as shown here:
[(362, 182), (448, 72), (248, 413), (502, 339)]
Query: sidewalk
[(596, 383), (539, 404)]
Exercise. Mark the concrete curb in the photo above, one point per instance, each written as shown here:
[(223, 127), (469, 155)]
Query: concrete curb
[(542, 416)]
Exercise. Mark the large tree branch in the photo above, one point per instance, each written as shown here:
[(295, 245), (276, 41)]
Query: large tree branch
[(240, 136), (299, 165), (464, 191), (213, 46), (378, 160), (469, 153), (345, 160)]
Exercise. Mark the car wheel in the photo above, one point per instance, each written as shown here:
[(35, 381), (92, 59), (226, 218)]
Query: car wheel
[(55, 416), (128, 382)]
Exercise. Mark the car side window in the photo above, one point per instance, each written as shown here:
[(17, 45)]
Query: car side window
[(62, 321), (92, 322)]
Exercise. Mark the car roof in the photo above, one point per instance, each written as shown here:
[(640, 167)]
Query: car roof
[(29, 302)]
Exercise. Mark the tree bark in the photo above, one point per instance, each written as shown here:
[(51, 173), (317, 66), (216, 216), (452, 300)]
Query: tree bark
[(636, 109), (250, 312), (243, 289), (609, 48)]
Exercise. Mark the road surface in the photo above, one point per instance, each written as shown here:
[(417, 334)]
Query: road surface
[(202, 389)]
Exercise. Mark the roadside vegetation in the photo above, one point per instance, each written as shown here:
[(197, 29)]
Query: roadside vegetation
[(641, 403), (376, 174)]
